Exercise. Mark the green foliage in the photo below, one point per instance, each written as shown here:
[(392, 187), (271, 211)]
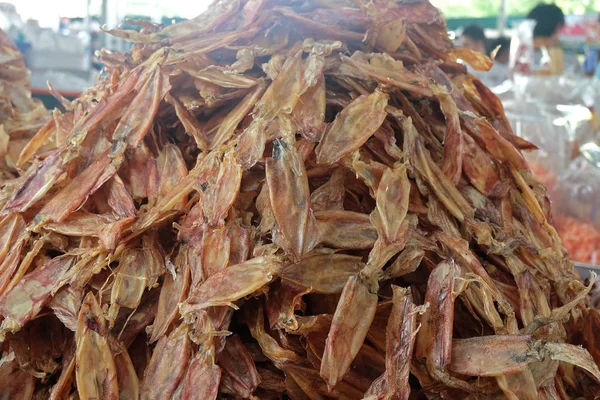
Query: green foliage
[(487, 8)]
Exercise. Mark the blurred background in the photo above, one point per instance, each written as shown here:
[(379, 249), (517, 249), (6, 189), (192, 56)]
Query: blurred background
[(59, 38)]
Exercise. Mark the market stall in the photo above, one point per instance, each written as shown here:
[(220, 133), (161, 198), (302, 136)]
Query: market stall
[(300, 200)]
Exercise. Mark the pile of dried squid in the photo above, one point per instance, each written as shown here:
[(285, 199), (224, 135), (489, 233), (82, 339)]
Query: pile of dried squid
[(287, 199), (20, 115)]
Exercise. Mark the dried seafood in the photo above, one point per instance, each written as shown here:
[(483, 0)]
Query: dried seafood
[(20, 115), (280, 199)]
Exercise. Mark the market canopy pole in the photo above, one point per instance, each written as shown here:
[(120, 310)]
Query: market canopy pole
[(502, 16), (88, 22), (111, 18)]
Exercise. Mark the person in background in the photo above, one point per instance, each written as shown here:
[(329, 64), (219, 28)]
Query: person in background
[(473, 37), (549, 20), (499, 71), (549, 57), (501, 46)]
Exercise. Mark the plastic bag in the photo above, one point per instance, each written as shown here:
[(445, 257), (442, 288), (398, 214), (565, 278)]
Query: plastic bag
[(574, 200), (576, 210), (577, 192), (559, 89), (539, 125), (553, 114), (521, 49)]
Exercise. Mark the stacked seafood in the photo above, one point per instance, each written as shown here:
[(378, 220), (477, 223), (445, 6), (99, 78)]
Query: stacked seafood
[(20, 115), (281, 199)]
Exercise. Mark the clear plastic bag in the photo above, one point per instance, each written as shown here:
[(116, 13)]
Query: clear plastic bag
[(520, 62), (539, 124), (521, 49), (576, 210), (554, 114), (559, 89), (573, 184), (577, 192)]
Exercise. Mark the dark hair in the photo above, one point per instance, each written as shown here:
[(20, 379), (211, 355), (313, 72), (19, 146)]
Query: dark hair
[(548, 19), (475, 32), (504, 44)]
